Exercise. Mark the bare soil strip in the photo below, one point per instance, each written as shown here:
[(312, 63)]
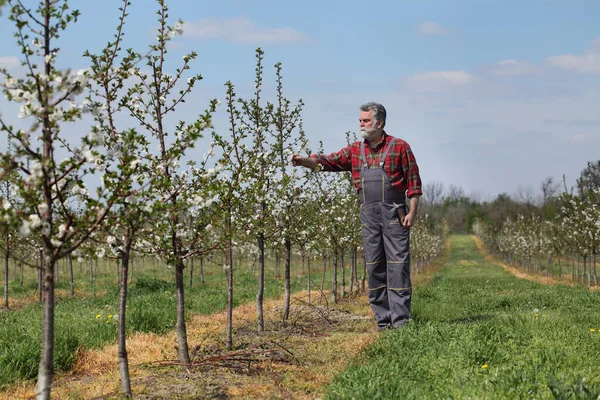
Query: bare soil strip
[(284, 362)]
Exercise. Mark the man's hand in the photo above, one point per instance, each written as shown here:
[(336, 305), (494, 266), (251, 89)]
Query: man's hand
[(408, 220), (296, 160), (307, 162)]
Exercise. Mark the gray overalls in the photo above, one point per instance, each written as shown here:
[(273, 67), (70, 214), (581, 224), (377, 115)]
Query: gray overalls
[(386, 244)]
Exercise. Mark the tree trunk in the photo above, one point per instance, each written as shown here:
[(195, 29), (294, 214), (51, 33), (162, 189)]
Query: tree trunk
[(343, 274), (47, 358), (287, 295), (334, 275), (6, 259), (202, 270), (364, 274), (323, 277), (353, 280), (71, 280), (308, 276), (594, 264), (229, 267), (582, 270), (260, 322), (191, 272), (131, 270), (122, 344), (92, 273), (586, 268), (21, 271), (40, 275), (184, 355)]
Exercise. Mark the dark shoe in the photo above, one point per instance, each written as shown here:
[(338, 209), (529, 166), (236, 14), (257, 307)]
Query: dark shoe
[(382, 328)]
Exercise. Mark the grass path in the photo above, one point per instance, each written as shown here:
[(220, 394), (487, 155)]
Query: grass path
[(480, 332)]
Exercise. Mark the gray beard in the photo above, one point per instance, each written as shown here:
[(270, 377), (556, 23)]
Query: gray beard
[(368, 134)]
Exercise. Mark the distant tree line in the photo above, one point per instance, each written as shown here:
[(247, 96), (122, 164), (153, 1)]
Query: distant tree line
[(461, 210)]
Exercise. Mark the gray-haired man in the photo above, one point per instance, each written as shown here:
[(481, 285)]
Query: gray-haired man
[(385, 173)]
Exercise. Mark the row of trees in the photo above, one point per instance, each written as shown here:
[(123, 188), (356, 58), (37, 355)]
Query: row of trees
[(100, 172), (545, 242)]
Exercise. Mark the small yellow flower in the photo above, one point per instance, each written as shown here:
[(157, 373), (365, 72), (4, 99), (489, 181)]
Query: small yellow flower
[(592, 330), (98, 316), (109, 316), (484, 366)]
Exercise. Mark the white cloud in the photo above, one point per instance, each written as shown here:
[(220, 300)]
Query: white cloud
[(588, 63), (513, 68), (431, 29), (440, 80), (240, 30), (9, 62)]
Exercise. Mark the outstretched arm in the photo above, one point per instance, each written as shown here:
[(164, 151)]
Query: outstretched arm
[(308, 162), (334, 162)]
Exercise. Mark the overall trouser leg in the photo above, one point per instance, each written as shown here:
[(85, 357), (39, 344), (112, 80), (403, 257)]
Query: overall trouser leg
[(370, 215), (396, 242)]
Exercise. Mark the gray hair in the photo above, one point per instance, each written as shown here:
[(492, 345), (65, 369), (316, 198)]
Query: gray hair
[(379, 112)]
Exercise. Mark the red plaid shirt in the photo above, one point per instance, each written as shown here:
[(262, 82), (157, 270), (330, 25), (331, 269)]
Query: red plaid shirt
[(400, 164)]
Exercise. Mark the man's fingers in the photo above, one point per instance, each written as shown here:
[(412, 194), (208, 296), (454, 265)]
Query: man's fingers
[(295, 158)]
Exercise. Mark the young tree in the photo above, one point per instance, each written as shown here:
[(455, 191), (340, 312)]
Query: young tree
[(175, 188), (55, 201), (110, 71), (234, 161), (288, 139)]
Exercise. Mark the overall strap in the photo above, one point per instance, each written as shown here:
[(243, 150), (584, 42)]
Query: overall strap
[(364, 155), (387, 150)]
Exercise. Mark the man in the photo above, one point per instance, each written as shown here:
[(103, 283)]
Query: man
[(385, 172)]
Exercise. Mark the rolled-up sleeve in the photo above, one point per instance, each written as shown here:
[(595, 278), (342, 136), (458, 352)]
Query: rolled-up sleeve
[(335, 162), (411, 173)]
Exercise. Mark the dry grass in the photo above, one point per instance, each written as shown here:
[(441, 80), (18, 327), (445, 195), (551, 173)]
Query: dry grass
[(292, 362), (295, 360)]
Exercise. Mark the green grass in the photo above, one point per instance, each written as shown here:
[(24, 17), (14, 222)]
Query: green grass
[(478, 332), (89, 322)]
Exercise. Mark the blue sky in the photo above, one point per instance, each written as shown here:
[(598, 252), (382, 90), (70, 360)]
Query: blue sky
[(492, 95)]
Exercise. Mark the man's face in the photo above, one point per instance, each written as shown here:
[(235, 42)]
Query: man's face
[(368, 125)]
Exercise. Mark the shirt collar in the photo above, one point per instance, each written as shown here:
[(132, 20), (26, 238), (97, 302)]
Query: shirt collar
[(384, 139)]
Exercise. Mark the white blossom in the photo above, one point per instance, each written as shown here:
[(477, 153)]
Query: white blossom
[(34, 221), (25, 229)]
